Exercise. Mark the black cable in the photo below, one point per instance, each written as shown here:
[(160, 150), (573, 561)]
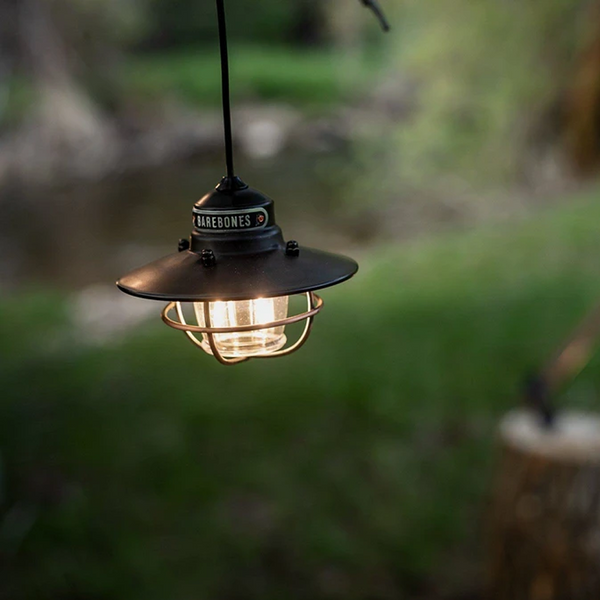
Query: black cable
[(226, 94), (225, 89)]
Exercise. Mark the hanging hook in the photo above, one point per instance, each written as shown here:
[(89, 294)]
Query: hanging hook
[(377, 10)]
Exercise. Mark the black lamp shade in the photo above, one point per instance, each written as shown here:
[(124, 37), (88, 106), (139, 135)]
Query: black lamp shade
[(183, 277), (246, 263)]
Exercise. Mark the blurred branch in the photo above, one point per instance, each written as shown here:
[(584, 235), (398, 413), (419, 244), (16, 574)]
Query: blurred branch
[(43, 44), (374, 6), (571, 358)]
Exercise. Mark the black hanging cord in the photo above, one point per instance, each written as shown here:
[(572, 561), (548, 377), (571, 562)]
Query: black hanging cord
[(226, 94), (225, 90)]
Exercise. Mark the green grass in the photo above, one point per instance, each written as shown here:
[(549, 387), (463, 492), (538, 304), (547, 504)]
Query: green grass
[(358, 468), (309, 79), (301, 77)]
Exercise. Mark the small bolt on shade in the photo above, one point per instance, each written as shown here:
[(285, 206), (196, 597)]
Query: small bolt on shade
[(228, 287), (208, 258), (292, 248)]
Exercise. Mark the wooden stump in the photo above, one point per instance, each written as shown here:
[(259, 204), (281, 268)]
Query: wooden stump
[(545, 521)]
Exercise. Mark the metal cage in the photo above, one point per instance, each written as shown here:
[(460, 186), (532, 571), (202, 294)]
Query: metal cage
[(314, 305)]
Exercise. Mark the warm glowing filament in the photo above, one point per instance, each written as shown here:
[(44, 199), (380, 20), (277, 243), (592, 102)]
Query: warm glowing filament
[(259, 311)]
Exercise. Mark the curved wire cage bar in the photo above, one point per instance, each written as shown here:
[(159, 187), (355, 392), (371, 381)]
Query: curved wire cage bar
[(314, 305)]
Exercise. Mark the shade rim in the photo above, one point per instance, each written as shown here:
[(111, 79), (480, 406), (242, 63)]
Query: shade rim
[(181, 277)]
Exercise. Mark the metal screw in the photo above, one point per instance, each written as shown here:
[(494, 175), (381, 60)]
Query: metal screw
[(183, 245), (292, 248), (208, 258)]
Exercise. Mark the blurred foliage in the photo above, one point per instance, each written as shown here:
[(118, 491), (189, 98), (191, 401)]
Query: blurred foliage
[(123, 52), (101, 24), (300, 77), (355, 469), (486, 78), (188, 22), (479, 82)]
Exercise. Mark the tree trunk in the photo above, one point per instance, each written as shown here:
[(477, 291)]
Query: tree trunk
[(582, 103), (66, 132), (545, 521)]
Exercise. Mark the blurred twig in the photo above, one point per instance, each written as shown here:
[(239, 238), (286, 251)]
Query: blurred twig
[(377, 10), (570, 359)]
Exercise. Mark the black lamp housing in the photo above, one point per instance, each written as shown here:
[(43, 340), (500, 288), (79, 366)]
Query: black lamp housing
[(236, 269), (236, 252)]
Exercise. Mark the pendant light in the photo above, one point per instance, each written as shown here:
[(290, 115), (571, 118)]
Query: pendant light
[(228, 286)]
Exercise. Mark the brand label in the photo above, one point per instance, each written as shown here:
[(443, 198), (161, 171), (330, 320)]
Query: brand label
[(229, 221)]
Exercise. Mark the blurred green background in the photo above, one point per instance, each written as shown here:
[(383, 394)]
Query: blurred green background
[(455, 158)]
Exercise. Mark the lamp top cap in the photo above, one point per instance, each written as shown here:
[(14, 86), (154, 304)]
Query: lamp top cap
[(233, 193)]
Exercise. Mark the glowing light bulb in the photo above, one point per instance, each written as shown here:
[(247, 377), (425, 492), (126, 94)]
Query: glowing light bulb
[(259, 311)]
